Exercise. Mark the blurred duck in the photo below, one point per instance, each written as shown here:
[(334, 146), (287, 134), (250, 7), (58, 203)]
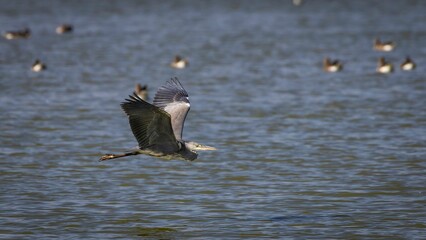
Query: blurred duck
[(408, 64), (38, 66), (383, 46), (332, 66), (383, 66), (179, 62), (297, 2), (64, 28), (17, 34), (141, 91)]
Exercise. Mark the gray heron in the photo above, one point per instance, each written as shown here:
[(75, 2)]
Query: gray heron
[(158, 127)]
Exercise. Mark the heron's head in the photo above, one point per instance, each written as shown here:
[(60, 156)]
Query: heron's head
[(194, 147)]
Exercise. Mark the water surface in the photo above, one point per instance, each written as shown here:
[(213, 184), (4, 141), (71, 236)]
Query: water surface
[(302, 154)]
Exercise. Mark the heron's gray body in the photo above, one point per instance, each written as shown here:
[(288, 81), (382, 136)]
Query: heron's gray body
[(158, 127), (182, 153)]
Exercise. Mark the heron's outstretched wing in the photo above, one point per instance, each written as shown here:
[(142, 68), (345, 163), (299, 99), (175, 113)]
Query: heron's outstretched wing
[(173, 99), (150, 125)]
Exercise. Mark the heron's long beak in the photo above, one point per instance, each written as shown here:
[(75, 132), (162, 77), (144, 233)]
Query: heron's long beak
[(205, 148)]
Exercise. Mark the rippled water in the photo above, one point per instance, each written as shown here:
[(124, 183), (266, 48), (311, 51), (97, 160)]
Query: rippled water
[(302, 154)]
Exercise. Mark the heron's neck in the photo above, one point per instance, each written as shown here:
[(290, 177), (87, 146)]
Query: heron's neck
[(187, 153)]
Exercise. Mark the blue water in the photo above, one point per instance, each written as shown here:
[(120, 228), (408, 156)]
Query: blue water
[(302, 154)]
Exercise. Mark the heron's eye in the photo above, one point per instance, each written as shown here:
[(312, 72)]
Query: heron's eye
[(184, 99)]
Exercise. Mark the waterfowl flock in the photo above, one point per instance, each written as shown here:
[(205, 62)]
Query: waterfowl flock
[(25, 33), (178, 62), (383, 66)]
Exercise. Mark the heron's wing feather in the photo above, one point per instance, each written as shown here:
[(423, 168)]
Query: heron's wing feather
[(173, 99), (170, 92), (150, 125)]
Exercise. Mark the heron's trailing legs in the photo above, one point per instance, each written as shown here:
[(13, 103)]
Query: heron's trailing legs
[(112, 156)]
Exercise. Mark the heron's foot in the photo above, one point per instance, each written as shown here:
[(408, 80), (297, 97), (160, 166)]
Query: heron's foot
[(107, 157)]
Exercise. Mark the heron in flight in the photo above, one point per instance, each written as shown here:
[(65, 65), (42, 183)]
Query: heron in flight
[(158, 127)]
